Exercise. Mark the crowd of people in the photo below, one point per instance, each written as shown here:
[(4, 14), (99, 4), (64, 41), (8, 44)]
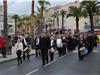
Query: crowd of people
[(47, 44), (21, 44)]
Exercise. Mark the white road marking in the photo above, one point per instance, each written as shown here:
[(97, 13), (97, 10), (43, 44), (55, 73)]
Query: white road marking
[(62, 56), (32, 72), (43, 66), (49, 63)]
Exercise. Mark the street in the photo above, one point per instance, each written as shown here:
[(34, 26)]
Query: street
[(66, 65), (48, 28)]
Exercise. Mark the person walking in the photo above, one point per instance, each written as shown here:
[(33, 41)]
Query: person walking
[(70, 43), (3, 46), (64, 40), (10, 44), (26, 49), (44, 44), (91, 42), (52, 47), (19, 50), (37, 42), (80, 46), (59, 45)]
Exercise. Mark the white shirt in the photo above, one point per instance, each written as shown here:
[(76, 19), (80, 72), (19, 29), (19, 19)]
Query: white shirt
[(37, 41), (59, 43), (52, 42), (19, 46)]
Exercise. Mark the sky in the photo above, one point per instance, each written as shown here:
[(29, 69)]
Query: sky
[(24, 6)]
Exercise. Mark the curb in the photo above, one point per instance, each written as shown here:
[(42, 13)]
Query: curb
[(12, 59), (8, 60)]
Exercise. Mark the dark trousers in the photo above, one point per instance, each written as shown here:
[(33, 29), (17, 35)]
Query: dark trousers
[(81, 57), (3, 52), (38, 52), (90, 49), (26, 53), (9, 52), (60, 51), (44, 53), (51, 56), (64, 51), (19, 58)]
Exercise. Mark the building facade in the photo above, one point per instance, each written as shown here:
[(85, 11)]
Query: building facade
[(11, 23), (69, 22)]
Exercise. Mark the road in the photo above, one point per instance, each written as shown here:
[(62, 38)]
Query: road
[(66, 65)]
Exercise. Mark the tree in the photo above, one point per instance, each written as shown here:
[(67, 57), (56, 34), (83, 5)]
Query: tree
[(92, 7), (5, 31), (56, 15), (43, 5), (63, 13), (49, 24), (16, 17), (53, 19), (37, 18), (32, 23), (76, 12)]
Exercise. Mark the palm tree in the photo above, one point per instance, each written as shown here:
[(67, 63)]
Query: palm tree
[(76, 12), (5, 17), (37, 18), (56, 15), (33, 22), (16, 17), (20, 24), (53, 16), (63, 13), (5, 31), (49, 24), (43, 4), (92, 8)]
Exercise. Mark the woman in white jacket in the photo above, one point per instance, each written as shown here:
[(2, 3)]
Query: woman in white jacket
[(19, 49)]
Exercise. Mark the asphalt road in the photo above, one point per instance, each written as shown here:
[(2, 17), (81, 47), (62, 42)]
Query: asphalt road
[(66, 65)]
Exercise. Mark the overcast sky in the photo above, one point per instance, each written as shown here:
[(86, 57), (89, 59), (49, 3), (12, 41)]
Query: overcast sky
[(24, 6)]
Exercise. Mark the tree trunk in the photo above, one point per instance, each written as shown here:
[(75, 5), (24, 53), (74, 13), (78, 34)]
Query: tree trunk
[(5, 23), (62, 21), (40, 21), (58, 24), (32, 29), (77, 24), (54, 22), (15, 26), (91, 23)]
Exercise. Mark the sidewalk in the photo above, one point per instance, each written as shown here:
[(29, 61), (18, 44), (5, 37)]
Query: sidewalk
[(12, 57)]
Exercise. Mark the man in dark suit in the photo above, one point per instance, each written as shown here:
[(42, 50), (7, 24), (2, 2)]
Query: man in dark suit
[(90, 40), (44, 46)]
